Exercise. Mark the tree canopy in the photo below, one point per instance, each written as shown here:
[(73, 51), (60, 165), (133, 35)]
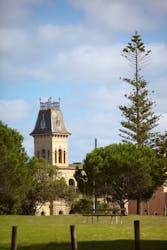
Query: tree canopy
[(26, 183), (123, 171), (14, 173), (46, 185)]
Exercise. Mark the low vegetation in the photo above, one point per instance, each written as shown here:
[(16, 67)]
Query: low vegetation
[(53, 232)]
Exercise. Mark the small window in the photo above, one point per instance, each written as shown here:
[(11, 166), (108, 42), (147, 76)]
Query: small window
[(43, 153), (64, 156), (43, 124), (71, 183), (60, 156), (58, 123), (55, 156)]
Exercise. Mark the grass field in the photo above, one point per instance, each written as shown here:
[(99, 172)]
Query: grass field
[(53, 233)]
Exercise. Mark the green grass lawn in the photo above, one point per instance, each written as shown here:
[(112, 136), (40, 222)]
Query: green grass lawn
[(53, 233)]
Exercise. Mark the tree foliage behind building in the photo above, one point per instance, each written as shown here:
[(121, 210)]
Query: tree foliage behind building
[(123, 171), (26, 183)]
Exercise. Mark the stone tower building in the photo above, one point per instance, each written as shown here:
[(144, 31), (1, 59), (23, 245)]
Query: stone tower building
[(51, 142)]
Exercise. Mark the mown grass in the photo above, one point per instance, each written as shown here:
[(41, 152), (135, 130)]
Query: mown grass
[(53, 233)]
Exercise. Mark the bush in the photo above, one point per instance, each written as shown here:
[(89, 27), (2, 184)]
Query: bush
[(83, 206)]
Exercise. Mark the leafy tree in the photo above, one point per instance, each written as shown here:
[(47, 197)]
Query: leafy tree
[(14, 174), (159, 144), (58, 189), (124, 171), (26, 184), (82, 206), (45, 186), (40, 172), (89, 176), (139, 119)]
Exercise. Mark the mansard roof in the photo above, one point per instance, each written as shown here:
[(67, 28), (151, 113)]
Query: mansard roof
[(50, 120)]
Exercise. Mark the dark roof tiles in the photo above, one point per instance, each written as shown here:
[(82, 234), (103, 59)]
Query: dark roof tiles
[(50, 121)]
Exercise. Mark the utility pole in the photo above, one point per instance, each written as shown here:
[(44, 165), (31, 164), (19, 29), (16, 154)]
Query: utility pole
[(94, 190)]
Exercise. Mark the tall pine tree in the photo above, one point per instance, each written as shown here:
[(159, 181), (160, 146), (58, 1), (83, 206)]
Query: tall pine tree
[(139, 119)]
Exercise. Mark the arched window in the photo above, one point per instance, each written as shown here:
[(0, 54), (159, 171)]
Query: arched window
[(60, 156), (71, 183), (64, 155), (55, 156)]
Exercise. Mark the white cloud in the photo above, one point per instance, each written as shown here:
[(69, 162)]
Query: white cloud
[(158, 6), (17, 12), (13, 110), (158, 60), (87, 56), (95, 64), (13, 41), (68, 36), (72, 52), (12, 11), (122, 15), (100, 124)]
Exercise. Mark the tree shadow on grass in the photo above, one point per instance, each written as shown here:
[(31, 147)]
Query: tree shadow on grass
[(100, 245)]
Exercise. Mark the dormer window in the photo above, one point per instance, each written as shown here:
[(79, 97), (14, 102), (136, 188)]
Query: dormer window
[(58, 123), (43, 124)]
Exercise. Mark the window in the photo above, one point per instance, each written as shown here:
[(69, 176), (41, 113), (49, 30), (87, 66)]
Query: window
[(58, 123), (71, 183), (60, 156), (55, 156), (43, 153), (43, 124), (64, 156)]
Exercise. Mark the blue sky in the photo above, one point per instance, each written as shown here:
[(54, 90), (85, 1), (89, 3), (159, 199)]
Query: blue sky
[(72, 49)]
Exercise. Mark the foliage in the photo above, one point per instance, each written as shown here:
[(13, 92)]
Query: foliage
[(45, 186), (123, 171), (159, 143), (81, 178), (14, 174), (139, 119), (82, 206), (41, 174), (26, 184)]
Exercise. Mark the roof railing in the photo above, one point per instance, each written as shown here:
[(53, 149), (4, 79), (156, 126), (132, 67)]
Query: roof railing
[(49, 105)]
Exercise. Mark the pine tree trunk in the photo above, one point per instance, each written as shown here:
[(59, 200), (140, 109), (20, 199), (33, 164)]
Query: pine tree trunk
[(138, 210)]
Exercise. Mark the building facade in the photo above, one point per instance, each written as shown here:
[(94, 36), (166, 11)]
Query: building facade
[(51, 143), (157, 205)]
